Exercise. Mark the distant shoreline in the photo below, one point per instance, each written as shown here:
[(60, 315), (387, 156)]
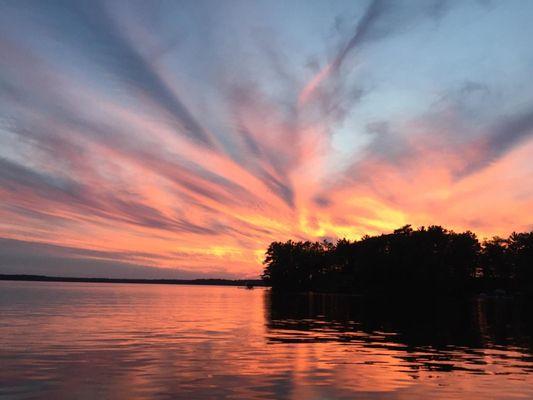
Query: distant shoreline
[(210, 282)]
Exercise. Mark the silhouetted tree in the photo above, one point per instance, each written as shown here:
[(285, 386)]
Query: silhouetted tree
[(495, 265), (520, 255)]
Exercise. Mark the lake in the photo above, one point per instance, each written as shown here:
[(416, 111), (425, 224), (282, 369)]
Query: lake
[(121, 341)]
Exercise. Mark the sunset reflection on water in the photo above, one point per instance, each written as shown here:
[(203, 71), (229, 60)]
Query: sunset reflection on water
[(114, 341)]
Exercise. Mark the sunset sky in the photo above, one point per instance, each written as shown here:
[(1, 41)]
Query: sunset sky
[(177, 139)]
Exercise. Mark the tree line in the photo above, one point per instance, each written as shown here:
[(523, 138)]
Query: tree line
[(424, 260)]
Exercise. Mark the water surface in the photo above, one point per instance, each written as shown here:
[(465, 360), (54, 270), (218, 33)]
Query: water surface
[(119, 341)]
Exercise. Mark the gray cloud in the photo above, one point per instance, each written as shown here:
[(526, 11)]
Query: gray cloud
[(383, 18), (89, 28), (502, 136), (509, 131), (16, 177)]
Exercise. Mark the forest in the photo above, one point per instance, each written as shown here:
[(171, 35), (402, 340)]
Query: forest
[(427, 260)]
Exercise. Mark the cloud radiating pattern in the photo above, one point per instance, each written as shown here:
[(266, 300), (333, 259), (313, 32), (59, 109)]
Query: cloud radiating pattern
[(178, 140)]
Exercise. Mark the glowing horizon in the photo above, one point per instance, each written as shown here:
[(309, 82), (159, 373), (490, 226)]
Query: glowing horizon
[(189, 137)]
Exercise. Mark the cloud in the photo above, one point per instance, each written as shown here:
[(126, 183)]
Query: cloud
[(16, 178), (463, 124), (90, 28), (55, 193), (510, 131), (52, 260), (381, 19)]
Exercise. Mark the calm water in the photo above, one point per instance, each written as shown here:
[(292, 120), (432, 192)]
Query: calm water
[(113, 341)]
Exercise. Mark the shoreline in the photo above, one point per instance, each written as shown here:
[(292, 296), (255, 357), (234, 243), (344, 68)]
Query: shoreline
[(206, 281)]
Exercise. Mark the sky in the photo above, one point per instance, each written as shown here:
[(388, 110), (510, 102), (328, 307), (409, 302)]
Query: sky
[(177, 139)]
